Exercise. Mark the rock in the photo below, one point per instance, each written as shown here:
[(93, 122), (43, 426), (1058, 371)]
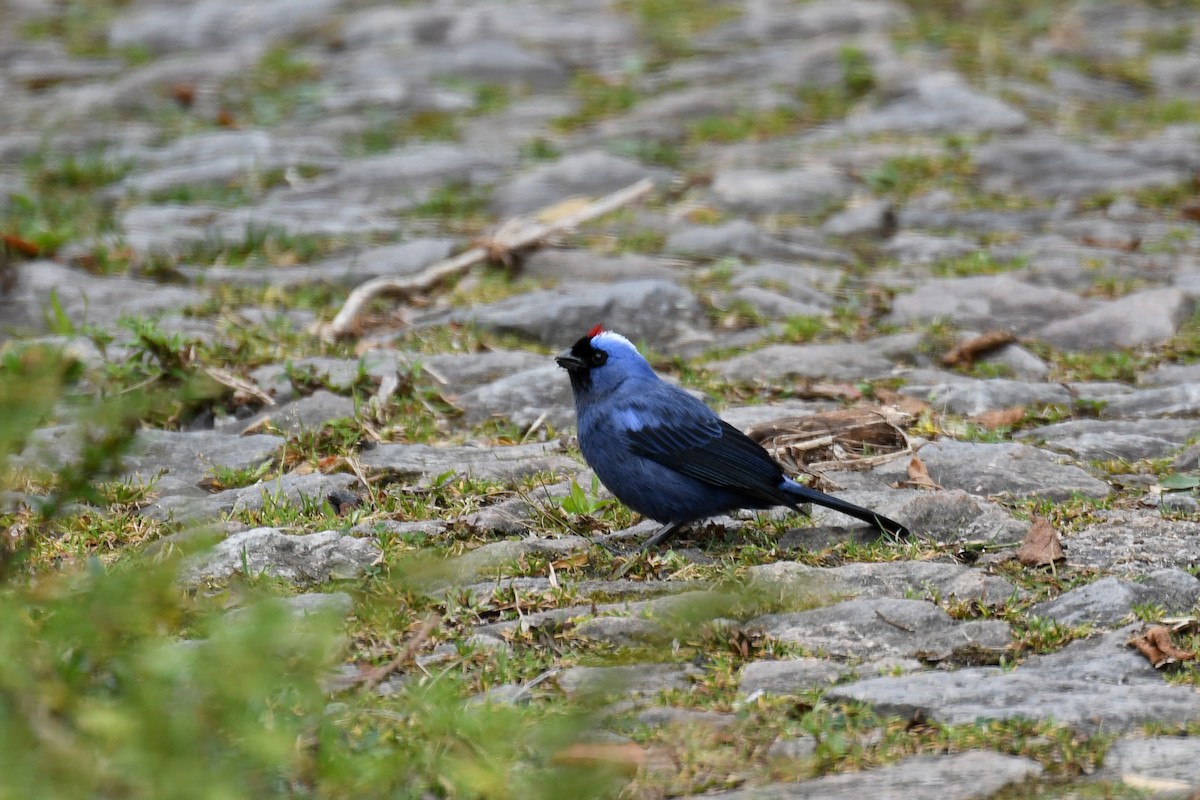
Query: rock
[(840, 361), (631, 679), (1091, 685), (743, 238), (802, 191), (584, 265), (660, 313), (304, 558), (793, 748), (84, 299), (590, 174), (418, 461), (972, 397), (773, 305), (621, 631), (986, 302), (1169, 401), (1133, 543), (185, 458), (963, 776), (663, 717), (1170, 375), (1109, 440), (910, 248), (1159, 758), (874, 628), (956, 516), (292, 490), (793, 676), (941, 102), (215, 24), (461, 372), (1109, 601), (987, 469), (1144, 318), (334, 604), (405, 258), (498, 61), (1048, 167), (543, 393), (897, 579), (310, 413), (1017, 362), (486, 559), (804, 283), (875, 218)]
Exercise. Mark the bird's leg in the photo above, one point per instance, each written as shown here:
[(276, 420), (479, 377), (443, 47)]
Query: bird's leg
[(661, 535)]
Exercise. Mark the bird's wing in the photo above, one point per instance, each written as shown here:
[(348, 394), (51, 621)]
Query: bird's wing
[(689, 438)]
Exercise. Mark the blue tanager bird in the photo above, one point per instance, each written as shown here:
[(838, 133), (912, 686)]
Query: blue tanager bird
[(666, 454)]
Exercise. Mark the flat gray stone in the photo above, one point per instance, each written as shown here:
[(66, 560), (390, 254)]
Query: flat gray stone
[(334, 604), (185, 458), (290, 490), (1097, 684), (800, 191), (660, 313), (895, 579), (792, 676), (984, 302), (743, 238), (972, 397), (911, 248), (1135, 542), (1049, 167), (877, 627), (953, 515), (460, 372), (940, 102), (1163, 758), (310, 413), (590, 174), (215, 23), (303, 558), (987, 469), (963, 776), (1110, 601), (419, 461), (631, 679), (838, 361), (85, 299), (1104, 440), (542, 393), (1143, 318), (1182, 400), (585, 265), (486, 559)]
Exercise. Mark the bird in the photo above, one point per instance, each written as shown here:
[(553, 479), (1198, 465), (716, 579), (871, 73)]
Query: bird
[(667, 455)]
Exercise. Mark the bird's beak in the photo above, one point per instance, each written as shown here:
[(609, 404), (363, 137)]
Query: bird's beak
[(570, 362)]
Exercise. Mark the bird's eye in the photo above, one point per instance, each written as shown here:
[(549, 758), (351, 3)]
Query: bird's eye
[(599, 357)]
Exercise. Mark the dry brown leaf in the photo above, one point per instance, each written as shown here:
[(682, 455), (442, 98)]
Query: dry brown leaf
[(1041, 546), (1000, 417), (965, 353), (918, 475), (1158, 647), (624, 757), (22, 246), (912, 406), (1191, 209)]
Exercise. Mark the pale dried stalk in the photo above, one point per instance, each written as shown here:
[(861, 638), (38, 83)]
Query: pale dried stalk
[(514, 235)]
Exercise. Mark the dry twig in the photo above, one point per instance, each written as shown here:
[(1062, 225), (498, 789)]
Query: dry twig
[(514, 235)]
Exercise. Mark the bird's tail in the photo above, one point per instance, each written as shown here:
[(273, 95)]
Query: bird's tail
[(803, 494)]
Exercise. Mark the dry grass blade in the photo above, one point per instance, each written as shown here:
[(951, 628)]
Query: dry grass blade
[(845, 439), (372, 678), (226, 378)]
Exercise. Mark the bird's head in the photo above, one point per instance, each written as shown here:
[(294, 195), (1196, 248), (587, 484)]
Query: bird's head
[(602, 361)]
